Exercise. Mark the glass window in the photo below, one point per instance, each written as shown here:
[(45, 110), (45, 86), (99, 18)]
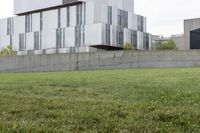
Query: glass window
[(122, 18), (28, 23), (79, 14), (10, 26), (37, 41), (134, 38), (79, 36), (146, 41), (59, 18), (120, 36), (59, 38), (63, 44), (21, 42), (68, 17), (140, 23), (107, 34), (109, 15), (41, 21)]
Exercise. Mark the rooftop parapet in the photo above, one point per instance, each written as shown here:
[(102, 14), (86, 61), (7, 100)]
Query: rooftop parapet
[(27, 6)]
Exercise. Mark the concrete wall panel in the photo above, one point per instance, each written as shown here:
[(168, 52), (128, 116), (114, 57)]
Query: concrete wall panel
[(15, 41), (4, 41), (89, 13), (70, 37), (72, 15), (101, 60), (23, 6), (49, 39), (100, 14), (19, 24), (35, 22), (94, 34), (63, 22), (3, 27), (30, 41), (50, 20)]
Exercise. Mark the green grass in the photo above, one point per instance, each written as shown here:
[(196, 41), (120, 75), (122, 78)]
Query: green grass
[(144, 100)]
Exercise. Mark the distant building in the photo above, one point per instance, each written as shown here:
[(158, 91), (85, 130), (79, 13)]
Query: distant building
[(155, 38), (179, 40), (64, 26), (191, 37), (192, 33)]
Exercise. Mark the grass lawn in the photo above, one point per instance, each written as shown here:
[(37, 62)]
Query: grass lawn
[(138, 100)]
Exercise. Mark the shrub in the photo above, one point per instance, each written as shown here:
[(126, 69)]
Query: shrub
[(165, 45), (128, 46), (7, 51)]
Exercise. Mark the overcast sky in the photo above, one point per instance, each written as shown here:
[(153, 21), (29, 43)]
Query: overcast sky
[(164, 17)]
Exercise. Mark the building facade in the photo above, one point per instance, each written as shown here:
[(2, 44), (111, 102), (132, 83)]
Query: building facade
[(191, 37), (64, 26), (192, 33)]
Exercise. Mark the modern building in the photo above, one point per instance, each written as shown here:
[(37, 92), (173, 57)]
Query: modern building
[(192, 33), (64, 26), (191, 37)]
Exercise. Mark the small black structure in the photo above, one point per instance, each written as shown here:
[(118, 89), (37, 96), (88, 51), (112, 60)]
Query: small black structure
[(195, 39)]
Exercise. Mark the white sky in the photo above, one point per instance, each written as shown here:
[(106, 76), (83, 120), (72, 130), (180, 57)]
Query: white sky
[(6, 8), (164, 17)]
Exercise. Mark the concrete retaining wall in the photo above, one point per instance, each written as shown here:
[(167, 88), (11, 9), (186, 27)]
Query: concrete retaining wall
[(101, 60)]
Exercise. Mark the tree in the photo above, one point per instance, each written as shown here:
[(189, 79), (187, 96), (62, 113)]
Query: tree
[(171, 44), (7, 51), (165, 45)]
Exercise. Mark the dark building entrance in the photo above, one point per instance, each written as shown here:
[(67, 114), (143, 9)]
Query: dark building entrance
[(195, 39)]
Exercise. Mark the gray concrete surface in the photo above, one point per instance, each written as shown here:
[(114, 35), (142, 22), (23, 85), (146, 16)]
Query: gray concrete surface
[(101, 60), (179, 41)]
